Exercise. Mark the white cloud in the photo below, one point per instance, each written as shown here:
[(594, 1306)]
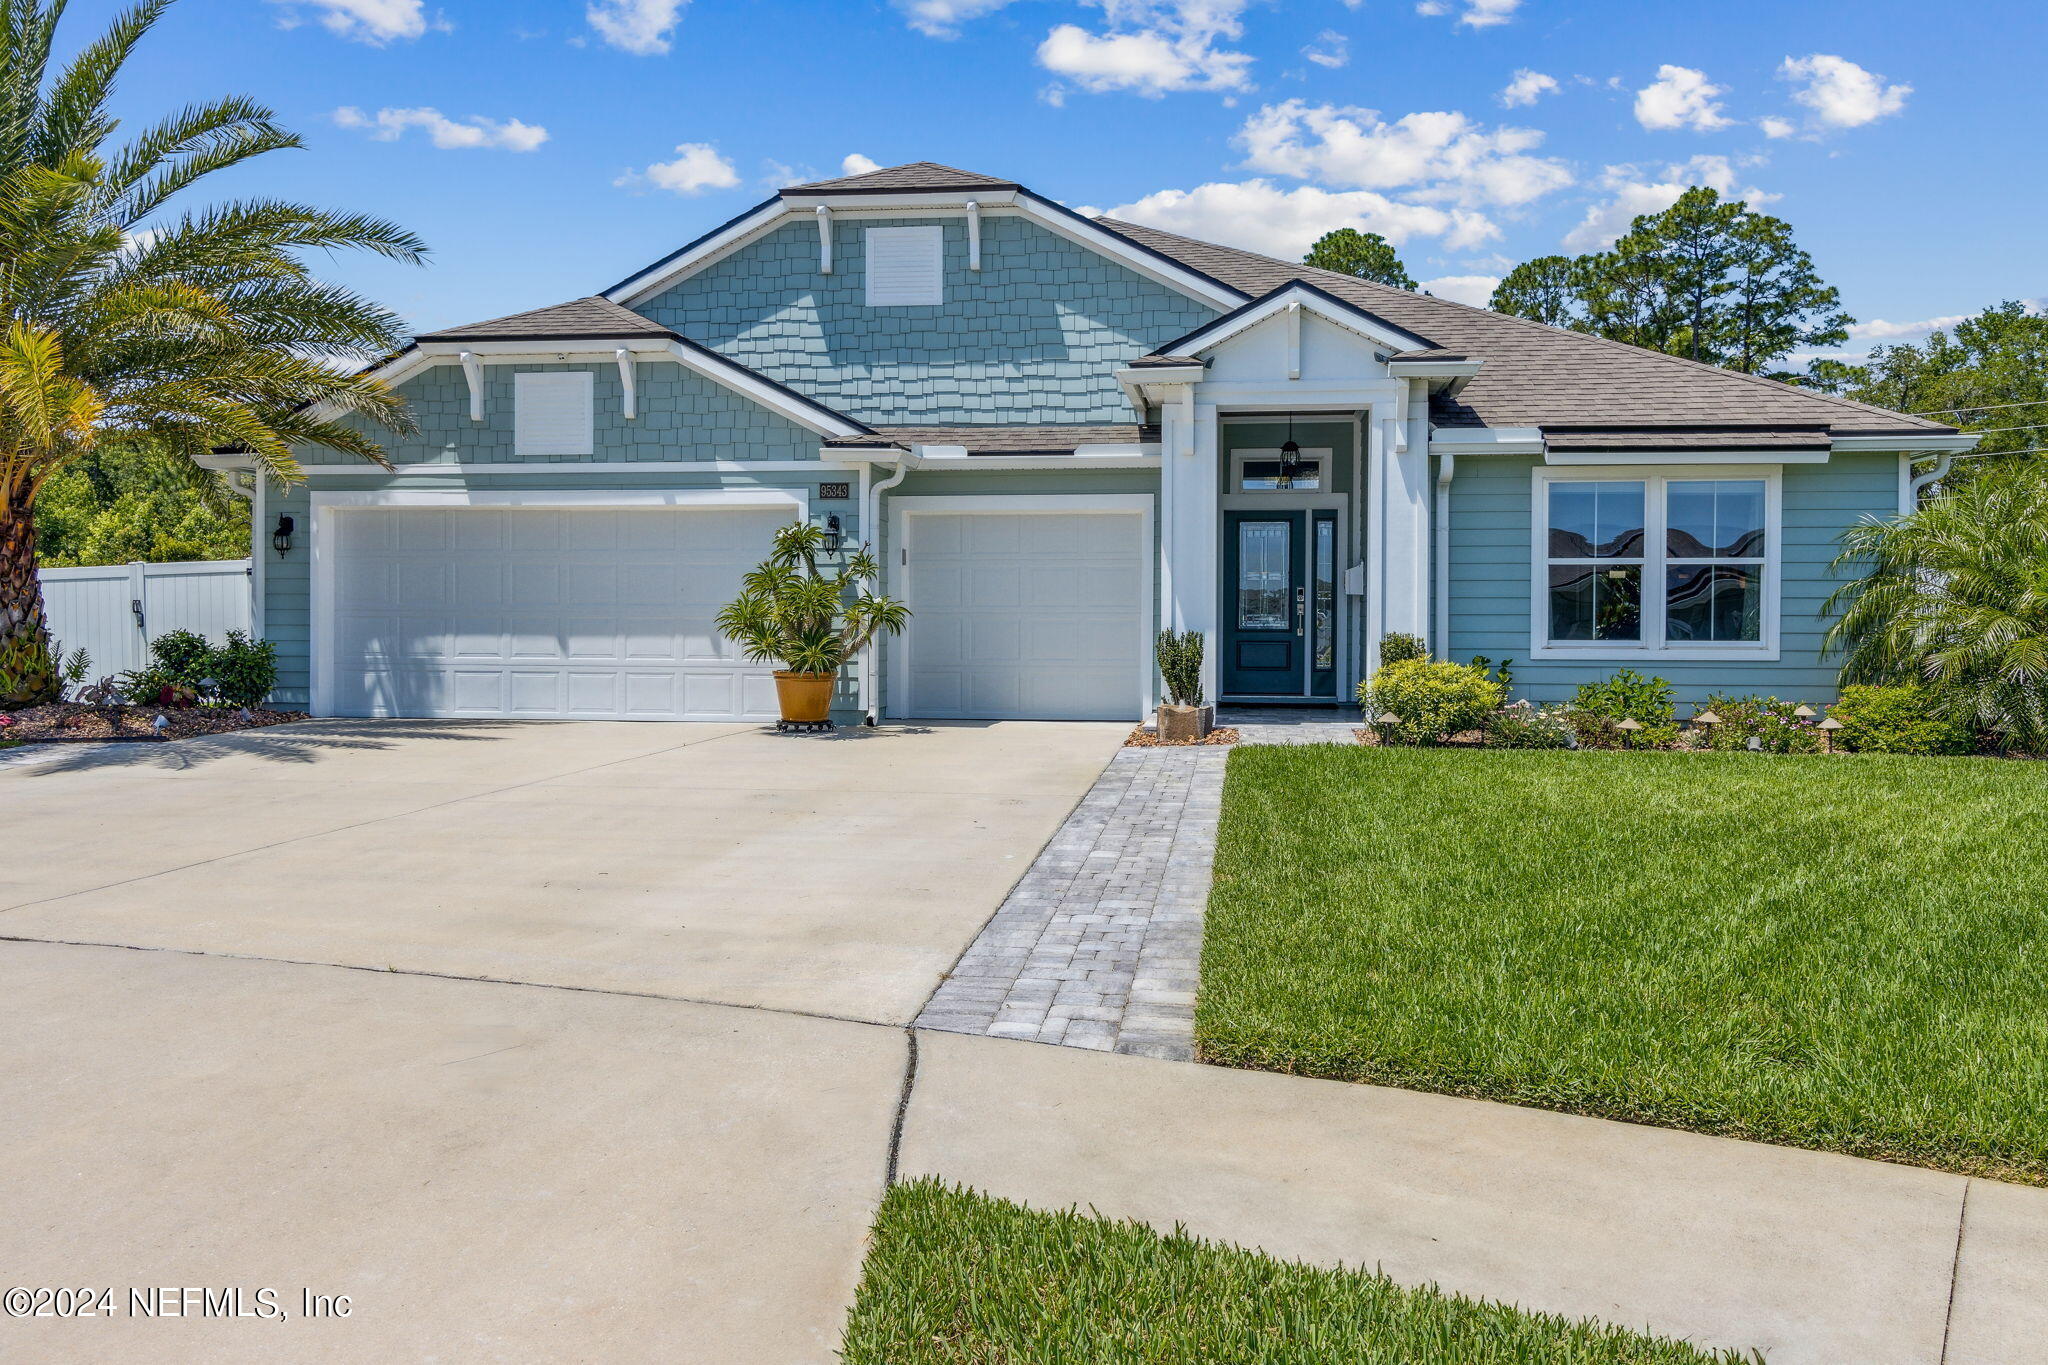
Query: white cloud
[(367, 21), (1840, 93), (1527, 87), (1152, 48), (942, 18), (856, 164), (1259, 216), (1473, 13), (1877, 329), (1331, 49), (388, 125), (1777, 127), (1445, 154), (1681, 97), (698, 169), (1473, 289), (1635, 194), (641, 27)]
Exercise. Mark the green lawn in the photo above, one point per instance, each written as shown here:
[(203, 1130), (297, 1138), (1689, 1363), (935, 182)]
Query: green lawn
[(1840, 953), (955, 1278)]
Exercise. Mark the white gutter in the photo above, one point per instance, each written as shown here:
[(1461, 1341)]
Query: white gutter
[(1447, 468), (870, 516)]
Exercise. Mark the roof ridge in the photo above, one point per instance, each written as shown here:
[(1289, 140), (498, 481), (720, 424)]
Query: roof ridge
[(1772, 384)]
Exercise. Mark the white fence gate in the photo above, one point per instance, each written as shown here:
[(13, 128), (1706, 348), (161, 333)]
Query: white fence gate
[(114, 611)]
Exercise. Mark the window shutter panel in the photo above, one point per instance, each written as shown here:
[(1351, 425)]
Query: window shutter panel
[(906, 266), (552, 414)]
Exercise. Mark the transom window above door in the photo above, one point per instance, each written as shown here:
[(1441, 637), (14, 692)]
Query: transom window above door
[(1667, 564), (1263, 471)]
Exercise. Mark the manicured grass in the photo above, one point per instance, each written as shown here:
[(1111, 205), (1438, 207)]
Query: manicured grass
[(1842, 953), (955, 1278)]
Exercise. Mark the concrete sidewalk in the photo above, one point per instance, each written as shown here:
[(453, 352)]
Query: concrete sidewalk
[(1811, 1258)]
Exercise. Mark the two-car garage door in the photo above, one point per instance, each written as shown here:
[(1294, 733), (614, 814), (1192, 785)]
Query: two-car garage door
[(555, 612), (544, 613)]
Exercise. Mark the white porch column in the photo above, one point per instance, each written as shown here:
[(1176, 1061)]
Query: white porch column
[(1194, 518), (1403, 519)]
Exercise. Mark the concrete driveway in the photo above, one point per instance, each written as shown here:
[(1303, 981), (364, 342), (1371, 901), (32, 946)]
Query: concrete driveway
[(491, 1140), (708, 862)]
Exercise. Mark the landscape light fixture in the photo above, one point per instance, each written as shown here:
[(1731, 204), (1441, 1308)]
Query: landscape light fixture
[(1827, 734)]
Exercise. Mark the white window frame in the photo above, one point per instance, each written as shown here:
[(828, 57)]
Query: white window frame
[(579, 385), (1323, 457), (929, 238), (1653, 645)]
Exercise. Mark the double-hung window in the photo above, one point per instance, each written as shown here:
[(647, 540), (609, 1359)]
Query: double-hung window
[(1667, 564)]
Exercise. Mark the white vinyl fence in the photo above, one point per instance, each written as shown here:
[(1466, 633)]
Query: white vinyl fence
[(114, 611)]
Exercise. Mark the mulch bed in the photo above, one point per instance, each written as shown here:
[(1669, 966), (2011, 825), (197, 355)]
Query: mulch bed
[(1141, 738), (63, 722)]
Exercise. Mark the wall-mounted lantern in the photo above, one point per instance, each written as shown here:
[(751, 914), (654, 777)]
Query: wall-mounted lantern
[(834, 537), (281, 538)]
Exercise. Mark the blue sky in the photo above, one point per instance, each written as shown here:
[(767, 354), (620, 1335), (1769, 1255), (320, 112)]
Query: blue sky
[(545, 148)]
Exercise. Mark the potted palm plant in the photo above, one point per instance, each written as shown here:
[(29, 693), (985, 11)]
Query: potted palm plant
[(810, 621), (1183, 719)]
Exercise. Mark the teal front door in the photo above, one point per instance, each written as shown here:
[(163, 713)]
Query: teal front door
[(1280, 605)]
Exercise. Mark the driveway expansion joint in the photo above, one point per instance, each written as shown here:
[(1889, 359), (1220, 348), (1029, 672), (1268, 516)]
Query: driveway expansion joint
[(1099, 945)]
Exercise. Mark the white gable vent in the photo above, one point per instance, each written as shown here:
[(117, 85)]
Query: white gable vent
[(906, 265), (551, 414)]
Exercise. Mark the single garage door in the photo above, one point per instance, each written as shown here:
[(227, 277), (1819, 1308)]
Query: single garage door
[(545, 613), (1024, 615)]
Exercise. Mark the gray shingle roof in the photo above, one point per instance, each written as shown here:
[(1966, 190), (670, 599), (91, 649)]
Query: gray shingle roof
[(591, 319), (1018, 440), (1729, 437), (917, 176), (1538, 376), (1150, 361)]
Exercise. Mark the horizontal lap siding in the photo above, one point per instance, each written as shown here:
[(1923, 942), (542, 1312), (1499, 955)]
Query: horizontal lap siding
[(1490, 579)]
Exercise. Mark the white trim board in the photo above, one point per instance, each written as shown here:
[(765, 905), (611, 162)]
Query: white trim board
[(1024, 204), (531, 468), (1141, 505), (325, 506), (706, 364), (1653, 647)]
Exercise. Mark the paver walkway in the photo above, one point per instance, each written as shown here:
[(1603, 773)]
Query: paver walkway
[(1292, 725), (1098, 946)]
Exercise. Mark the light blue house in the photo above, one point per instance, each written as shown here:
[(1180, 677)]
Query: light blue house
[(1061, 435)]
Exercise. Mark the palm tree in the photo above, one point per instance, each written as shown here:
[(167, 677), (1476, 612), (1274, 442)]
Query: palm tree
[(1956, 598), (122, 321)]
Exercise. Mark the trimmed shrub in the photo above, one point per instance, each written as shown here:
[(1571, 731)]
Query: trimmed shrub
[(184, 656), (1597, 709), (245, 670), (1397, 647), (1431, 700), (1765, 719), (1523, 725), (1897, 720)]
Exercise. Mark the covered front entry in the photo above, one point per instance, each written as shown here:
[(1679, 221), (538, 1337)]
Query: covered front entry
[(1031, 608), (1280, 607)]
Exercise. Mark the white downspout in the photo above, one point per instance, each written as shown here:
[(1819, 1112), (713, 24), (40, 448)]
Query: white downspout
[(870, 522), (1446, 470)]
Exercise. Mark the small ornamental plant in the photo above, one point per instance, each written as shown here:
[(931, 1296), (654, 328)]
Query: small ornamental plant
[(1419, 701), (794, 613)]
